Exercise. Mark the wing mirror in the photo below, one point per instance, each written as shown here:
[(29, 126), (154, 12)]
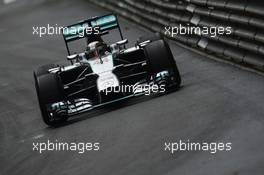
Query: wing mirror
[(72, 57), (122, 42)]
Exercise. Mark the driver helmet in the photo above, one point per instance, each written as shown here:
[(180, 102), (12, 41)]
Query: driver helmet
[(95, 49), (91, 50)]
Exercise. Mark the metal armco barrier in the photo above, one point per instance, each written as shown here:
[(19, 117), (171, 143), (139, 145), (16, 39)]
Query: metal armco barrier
[(244, 44)]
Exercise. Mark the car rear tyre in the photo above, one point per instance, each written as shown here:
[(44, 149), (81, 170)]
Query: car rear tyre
[(160, 58), (49, 90), (153, 37), (44, 69)]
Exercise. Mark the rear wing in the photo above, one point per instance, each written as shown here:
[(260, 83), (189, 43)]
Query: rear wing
[(77, 31)]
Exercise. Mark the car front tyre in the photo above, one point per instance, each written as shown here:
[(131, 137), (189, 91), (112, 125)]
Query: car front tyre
[(49, 90)]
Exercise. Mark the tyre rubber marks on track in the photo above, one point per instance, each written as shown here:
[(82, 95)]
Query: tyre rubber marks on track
[(8, 1), (32, 138)]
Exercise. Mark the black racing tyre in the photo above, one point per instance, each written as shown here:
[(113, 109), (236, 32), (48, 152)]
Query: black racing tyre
[(159, 58), (49, 90), (44, 69), (153, 37)]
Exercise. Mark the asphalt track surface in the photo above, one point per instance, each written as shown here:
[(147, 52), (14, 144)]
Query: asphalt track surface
[(218, 102)]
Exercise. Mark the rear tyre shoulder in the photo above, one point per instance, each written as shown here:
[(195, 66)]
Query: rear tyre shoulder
[(151, 38), (43, 69)]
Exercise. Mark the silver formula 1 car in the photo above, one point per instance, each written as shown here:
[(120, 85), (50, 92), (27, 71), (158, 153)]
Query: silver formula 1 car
[(103, 73)]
